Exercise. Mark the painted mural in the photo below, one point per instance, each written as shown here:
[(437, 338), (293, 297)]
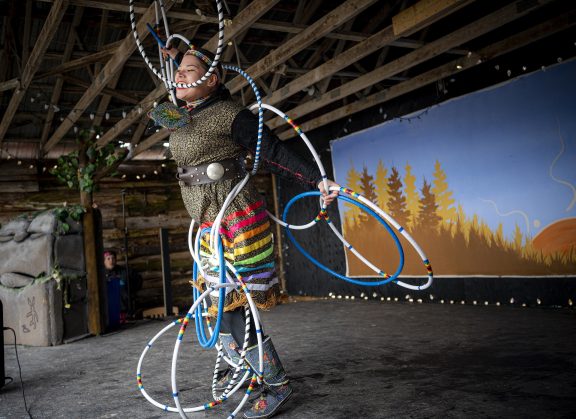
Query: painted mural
[(485, 183)]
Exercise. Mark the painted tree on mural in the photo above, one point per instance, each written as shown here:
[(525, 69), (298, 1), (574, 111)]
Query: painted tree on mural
[(427, 214), (518, 238), (381, 184), (352, 211), (412, 197), (368, 190), (397, 202), (444, 199)]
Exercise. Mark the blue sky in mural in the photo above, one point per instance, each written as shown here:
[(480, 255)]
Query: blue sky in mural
[(500, 149)]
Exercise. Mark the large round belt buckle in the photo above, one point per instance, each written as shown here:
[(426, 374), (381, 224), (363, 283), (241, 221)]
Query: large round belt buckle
[(215, 171)]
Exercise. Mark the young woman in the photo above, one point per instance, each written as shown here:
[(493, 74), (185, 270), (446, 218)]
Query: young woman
[(210, 148)]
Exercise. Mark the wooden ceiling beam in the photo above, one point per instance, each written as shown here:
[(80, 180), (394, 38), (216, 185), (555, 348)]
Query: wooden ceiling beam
[(151, 141), (140, 109), (449, 69), (9, 84), (106, 52), (126, 48), (465, 34), (48, 31), (375, 42), (107, 91), (311, 34), (26, 37), (192, 16), (139, 131), (105, 99), (237, 40), (57, 91), (243, 21)]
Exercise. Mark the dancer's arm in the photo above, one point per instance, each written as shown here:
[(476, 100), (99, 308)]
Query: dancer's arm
[(280, 158)]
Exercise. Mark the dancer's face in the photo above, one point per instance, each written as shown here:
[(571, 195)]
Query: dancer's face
[(191, 70)]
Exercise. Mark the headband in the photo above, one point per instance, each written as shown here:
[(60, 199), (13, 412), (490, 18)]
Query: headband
[(199, 55)]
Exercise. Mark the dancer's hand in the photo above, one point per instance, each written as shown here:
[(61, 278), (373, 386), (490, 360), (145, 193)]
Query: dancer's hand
[(328, 196), (172, 52)]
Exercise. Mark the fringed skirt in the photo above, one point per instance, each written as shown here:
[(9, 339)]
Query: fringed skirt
[(248, 245)]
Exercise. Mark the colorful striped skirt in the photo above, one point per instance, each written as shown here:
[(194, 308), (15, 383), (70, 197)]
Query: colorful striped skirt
[(248, 245)]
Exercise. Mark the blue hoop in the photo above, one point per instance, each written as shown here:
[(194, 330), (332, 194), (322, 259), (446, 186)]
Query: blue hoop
[(330, 271), (200, 332)]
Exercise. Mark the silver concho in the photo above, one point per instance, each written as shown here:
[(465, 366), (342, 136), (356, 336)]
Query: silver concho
[(215, 171)]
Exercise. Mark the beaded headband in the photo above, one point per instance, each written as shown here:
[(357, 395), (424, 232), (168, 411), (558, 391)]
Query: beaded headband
[(198, 54)]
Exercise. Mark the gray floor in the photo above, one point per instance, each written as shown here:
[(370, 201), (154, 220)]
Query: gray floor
[(362, 359)]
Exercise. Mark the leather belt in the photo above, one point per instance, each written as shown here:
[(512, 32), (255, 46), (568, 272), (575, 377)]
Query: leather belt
[(210, 172)]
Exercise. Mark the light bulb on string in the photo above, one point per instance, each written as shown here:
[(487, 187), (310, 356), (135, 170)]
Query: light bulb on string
[(123, 114), (107, 116), (92, 116)]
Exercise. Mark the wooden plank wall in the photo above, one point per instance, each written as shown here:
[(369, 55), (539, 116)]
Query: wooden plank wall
[(150, 203)]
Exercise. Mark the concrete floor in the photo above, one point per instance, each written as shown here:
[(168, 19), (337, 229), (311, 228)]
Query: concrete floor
[(361, 359)]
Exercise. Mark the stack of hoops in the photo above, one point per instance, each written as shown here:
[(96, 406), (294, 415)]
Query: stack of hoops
[(229, 276)]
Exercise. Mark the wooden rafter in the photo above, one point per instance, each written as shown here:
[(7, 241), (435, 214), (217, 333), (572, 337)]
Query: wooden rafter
[(458, 37), (317, 30), (26, 37), (151, 141), (48, 30), (449, 69), (139, 131), (192, 16), (115, 63), (108, 91), (379, 40), (105, 99), (106, 52), (55, 98)]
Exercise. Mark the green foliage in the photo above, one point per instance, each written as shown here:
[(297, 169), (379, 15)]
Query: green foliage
[(70, 172), (63, 213)]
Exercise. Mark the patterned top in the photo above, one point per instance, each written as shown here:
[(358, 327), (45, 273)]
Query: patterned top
[(221, 129)]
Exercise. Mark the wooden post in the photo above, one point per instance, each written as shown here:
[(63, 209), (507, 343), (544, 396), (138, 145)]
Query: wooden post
[(95, 324), (93, 282), (166, 276), (281, 273)]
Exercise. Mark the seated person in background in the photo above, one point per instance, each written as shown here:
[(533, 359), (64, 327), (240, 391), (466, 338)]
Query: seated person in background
[(118, 296)]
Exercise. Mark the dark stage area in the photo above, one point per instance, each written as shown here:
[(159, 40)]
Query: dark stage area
[(347, 359)]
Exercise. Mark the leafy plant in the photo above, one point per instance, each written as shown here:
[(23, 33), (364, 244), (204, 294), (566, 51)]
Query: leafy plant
[(79, 169), (63, 213)]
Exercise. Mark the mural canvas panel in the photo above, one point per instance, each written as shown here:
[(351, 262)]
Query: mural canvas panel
[(485, 183)]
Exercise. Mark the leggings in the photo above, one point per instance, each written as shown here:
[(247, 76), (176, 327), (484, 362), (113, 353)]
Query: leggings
[(234, 322)]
